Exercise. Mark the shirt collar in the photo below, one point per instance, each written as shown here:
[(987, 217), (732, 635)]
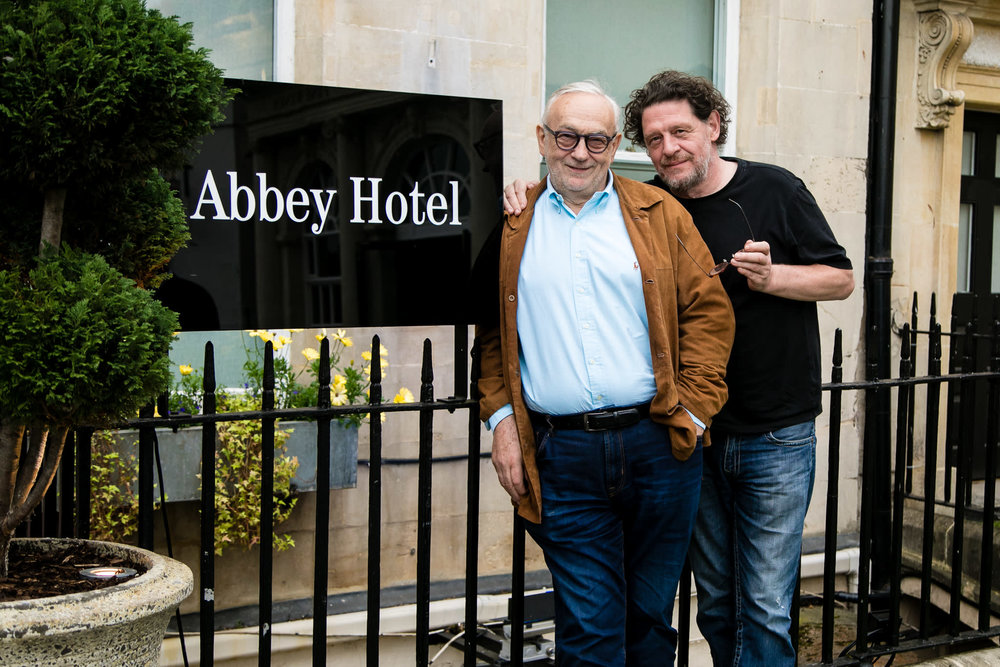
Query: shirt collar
[(597, 200)]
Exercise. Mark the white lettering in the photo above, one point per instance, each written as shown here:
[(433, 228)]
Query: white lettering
[(297, 197), (234, 199), (415, 195), (436, 202), (389, 207), (264, 193), (372, 200), (322, 207), (215, 200), (454, 204)]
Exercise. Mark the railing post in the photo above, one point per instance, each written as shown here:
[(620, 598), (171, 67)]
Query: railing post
[(930, 473), (964, 466), (832, 499), (424, 507), (264, 591), (989, 490), (321, 553), (902, 439), (472, 519), (374, 509), (206, 616), (146, 434)]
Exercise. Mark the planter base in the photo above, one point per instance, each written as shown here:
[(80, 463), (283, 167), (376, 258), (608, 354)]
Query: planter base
[(121, 626)]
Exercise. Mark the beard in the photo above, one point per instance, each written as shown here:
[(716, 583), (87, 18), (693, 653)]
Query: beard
[(682, 185)]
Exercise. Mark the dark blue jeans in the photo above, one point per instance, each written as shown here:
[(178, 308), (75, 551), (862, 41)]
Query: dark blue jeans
[(617, 514), (748, 541)]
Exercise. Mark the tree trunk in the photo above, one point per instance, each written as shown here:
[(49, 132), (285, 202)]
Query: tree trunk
[(26, 497), (11, 437), (52, 218)]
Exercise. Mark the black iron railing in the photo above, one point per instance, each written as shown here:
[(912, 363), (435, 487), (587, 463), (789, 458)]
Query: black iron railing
[(920, 421)]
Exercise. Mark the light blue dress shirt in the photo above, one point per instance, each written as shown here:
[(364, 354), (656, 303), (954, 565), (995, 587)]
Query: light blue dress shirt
[(582, 327)]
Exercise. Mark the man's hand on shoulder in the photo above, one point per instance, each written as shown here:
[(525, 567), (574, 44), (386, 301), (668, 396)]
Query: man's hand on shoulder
[(507, 459), (515, 197)]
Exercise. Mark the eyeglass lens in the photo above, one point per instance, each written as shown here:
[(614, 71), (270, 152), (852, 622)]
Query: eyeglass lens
[(567, 141)]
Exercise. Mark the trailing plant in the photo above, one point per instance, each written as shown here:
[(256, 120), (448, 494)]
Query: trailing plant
[(114, 503), (238, 480)]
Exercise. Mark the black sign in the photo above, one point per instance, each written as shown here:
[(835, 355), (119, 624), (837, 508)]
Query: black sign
[(316, 206)]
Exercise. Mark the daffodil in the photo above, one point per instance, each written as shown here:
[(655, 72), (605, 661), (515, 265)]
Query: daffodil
[(185, 369), (404, 395), (310, 353)]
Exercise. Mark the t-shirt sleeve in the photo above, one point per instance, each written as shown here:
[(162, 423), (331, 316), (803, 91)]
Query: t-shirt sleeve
[(813, 239)]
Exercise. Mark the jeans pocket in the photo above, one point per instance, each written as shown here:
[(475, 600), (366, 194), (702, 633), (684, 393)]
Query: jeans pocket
[(795, 435)]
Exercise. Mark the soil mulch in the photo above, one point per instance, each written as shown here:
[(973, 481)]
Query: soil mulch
[(54, 573)]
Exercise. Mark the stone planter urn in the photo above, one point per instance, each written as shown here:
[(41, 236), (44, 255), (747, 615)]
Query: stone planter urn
[(122, 625)]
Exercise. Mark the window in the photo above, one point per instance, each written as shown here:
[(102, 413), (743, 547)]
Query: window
[(979, 215), (240, 33)]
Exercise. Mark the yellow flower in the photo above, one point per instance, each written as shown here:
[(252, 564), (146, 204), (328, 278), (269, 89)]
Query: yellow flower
[(337, 397), (320, 336), (296, 330), (253, 333), (346, 341), (310, 353), (339, 383), (383, 350), (264, 335), (185, 369), (404, 395), (367, 355)]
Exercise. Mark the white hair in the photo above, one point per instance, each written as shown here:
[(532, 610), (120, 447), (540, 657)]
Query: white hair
[(586, 86)]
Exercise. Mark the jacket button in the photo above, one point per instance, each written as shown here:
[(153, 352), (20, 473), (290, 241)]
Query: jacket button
[(510, 297)]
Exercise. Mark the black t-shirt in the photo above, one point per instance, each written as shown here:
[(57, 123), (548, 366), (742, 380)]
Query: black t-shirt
[(774, 369)]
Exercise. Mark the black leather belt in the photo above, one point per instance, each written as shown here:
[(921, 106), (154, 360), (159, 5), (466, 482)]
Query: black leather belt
[(598, 420)]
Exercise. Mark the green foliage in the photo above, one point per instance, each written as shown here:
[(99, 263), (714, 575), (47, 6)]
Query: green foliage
[(99, 86), (114, 504), (80, 343), (238, 481)]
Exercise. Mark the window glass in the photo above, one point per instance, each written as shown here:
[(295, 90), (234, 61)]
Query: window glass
[(964, 247), (239, 33), (995, 275), (640, 38), (968, 153)]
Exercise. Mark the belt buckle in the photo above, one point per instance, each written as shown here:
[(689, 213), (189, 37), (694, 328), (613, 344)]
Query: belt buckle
[(596, 415)]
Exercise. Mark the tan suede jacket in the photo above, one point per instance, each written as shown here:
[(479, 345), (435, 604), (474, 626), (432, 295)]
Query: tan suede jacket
[(690, 324)]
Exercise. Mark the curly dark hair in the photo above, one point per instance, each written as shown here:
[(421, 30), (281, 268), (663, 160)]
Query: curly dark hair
[(670, 85)]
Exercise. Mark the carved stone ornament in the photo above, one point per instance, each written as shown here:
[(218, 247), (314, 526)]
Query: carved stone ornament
[(944, 37)]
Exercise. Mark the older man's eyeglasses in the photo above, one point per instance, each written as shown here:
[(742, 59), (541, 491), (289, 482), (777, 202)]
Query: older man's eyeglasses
[(567, 141), (724, 264)]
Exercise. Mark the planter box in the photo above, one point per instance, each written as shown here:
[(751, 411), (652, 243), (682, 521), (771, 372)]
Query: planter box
[(180, 456)]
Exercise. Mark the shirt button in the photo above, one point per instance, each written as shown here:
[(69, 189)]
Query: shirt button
[(510, 297)]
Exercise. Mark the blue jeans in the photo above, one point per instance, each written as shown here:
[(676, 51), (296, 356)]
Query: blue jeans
[(617, 514), (747, 542)]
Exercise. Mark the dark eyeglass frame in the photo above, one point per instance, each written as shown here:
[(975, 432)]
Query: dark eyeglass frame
[(564, 136), (724, 264)]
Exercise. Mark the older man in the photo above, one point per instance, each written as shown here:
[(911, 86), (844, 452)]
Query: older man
[(605, 369)]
